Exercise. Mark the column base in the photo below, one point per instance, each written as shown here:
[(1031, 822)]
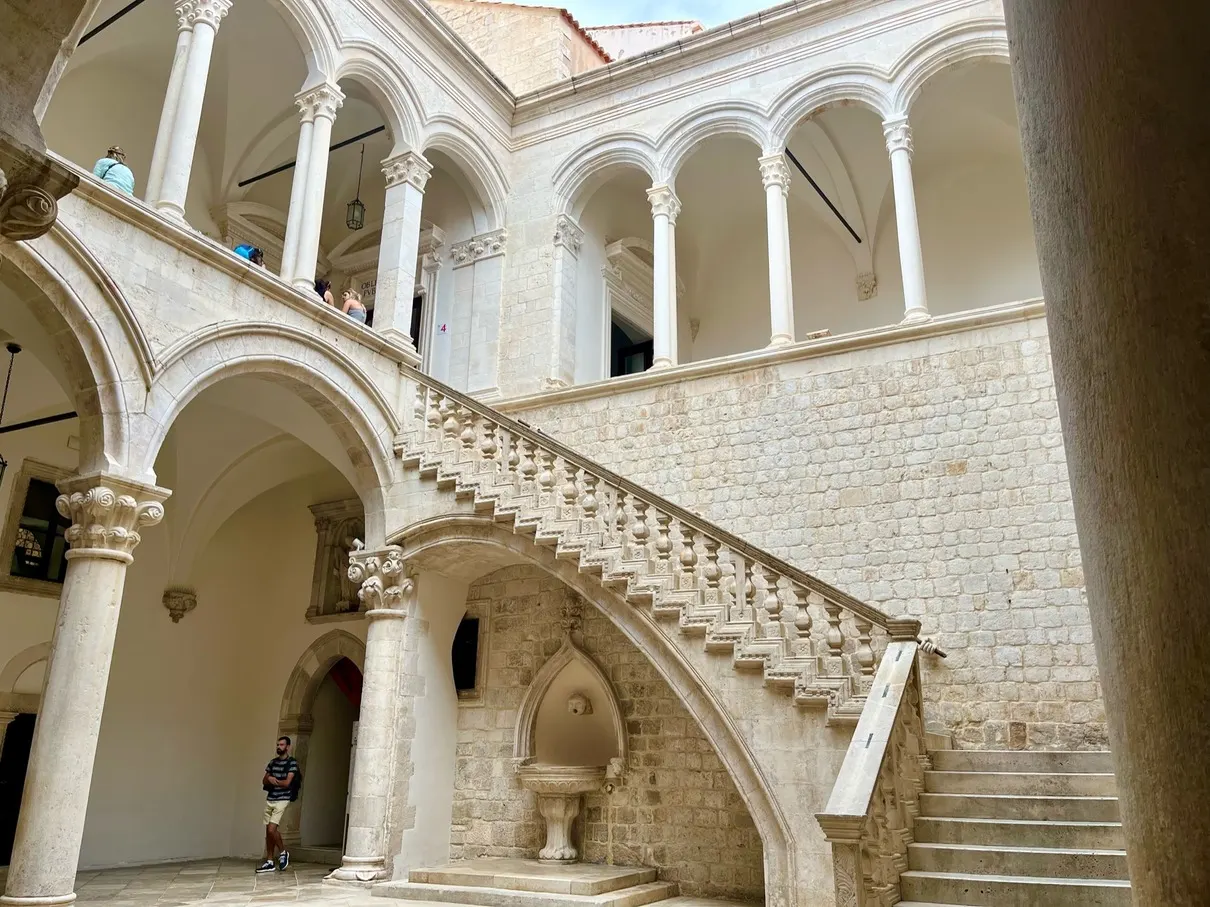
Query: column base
[(50, 900), (780, 340), (171, 211), (362, 871), (916, 316), (660, 364)]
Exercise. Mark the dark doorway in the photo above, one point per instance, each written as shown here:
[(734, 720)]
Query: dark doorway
[(466, 655), (13, 762), (417, 320), (631, 351)]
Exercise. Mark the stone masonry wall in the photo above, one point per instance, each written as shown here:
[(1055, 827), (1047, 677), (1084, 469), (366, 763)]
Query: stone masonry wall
[(677, 810), (926, 477)]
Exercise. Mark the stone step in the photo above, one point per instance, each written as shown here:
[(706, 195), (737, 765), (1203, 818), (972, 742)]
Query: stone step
[(1063, 784), (1022, 833), (635, 896), (531, 875), (1034, 761), (998, 859), (1011, 891), (1016, 806)]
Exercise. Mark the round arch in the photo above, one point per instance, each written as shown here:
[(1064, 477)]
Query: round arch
[(20, 663), (394, 95), (683, 136), (298, 701), (478, 166), (315, 30), (76, 294), (456, 544), (588, 168), (976, 39), (864, 87), (354, 408)]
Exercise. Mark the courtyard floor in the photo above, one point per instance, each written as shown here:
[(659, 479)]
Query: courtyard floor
[(232, 883)]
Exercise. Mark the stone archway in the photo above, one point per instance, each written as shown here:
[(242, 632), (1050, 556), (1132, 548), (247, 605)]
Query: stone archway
[(295, 719)]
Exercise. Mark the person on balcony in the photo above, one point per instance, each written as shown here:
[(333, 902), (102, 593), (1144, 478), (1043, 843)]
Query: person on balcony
[(113, 171), (252, 253), (323, 289), (352, 306)]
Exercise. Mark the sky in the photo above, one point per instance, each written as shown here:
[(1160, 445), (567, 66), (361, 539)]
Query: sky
[(616, 12)]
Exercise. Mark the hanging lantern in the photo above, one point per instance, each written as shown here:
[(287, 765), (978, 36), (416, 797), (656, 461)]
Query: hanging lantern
[(355, 218)]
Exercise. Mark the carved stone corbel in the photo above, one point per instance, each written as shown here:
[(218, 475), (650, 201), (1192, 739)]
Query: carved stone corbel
[(31, 185)]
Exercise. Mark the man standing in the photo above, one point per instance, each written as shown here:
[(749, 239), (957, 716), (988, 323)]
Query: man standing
[(113, 171), (281, 777)]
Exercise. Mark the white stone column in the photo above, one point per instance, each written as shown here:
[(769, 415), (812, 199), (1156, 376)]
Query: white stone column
[(568, 239), (407, 174), (298, 187), (324, 100), (430, 267), (911, 260), (107, 514), (172, 100), (205, 16), (664, 208), (776, 176), (387, 595)]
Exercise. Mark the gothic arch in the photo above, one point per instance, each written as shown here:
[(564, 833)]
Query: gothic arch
[(77, 295), (984, 38), (864, 86), (586, 169), (320, 374), (457, 544), (681, 138)]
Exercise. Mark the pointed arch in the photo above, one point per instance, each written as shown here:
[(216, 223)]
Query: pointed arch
[(734, 117), (585, 170), (313, 666), (983, 38)]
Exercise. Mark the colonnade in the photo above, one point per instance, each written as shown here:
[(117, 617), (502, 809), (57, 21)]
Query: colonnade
[(775, 176)]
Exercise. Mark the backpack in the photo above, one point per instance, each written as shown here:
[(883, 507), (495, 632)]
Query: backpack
[(296, 784)]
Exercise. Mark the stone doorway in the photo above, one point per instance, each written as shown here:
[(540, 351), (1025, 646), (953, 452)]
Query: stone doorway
[(14, 760)]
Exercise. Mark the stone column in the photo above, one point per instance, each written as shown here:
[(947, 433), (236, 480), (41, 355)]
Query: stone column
[(664, 208), (172, 100), (298, 186), (568, 239), (911, 261), (387, 595), (407, 174), (204, 16), (430, 267), (1120, 189), (776, 176), (106, 513), (324, 101)]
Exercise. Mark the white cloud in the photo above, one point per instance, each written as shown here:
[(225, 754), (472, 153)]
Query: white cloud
[(617, 12)]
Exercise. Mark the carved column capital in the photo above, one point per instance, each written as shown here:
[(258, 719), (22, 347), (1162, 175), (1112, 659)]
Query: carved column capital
[(385, 585), (774, 171), (179, 602), (321, 101), (568, 234), (211, 12), (106, 514), (184, 18), (408, 167), (664, 202), (486, 245), (898, 135)]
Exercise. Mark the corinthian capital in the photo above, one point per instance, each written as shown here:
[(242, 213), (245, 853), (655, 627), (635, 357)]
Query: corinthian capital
[(775, 172), (898, 135), (321, 101), (209, 11), (184, 21), (106, 514), (664, 202), (408, 167), (382, 578)]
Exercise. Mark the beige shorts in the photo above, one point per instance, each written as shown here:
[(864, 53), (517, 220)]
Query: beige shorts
[(274, 810)]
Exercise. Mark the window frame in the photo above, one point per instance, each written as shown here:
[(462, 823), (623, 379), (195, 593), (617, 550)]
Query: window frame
[(480, 610), (30, 470)]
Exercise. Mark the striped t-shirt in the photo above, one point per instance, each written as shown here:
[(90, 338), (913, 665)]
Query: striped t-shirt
[(281, 769)]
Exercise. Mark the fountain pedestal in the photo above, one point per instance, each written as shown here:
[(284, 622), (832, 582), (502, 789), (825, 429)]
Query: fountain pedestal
[(559, 789)]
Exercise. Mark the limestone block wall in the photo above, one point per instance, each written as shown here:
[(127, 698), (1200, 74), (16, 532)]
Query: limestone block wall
[(925, 476), (678, 809)]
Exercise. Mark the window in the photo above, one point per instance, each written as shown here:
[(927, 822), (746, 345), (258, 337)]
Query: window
[(36, 561), (632, 353), (40, 545), (417, 320), (466, 656)]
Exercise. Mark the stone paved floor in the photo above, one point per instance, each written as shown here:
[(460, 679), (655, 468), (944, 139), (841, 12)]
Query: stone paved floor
[(232, 883)]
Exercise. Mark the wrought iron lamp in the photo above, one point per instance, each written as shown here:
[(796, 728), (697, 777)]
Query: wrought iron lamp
[(355, 218), (13, 350)]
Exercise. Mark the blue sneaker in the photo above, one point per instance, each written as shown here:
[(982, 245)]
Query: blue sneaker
[(283, 860), (266, 866)]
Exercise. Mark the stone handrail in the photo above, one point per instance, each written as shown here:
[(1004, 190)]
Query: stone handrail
[(875, 801), (765, 609)]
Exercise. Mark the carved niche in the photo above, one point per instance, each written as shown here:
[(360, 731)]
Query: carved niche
[(333, 594)]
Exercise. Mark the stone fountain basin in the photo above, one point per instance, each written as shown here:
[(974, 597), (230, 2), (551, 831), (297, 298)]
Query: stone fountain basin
[(561, 780)]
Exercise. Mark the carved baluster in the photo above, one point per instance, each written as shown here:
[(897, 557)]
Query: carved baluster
[(802, 616), (639, 531), (588, 502), (546, 475), (864, 654), (488, 446), (528, 467), (514, 455), (711, 572), (433, 416), (688, 558), (420, 405), (451, 425), (835, 634), (570, 489), (619, 516), (772, 606), (750, 597), (467, 436), (663, 541)]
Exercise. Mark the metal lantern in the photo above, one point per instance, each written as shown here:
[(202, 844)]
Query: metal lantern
[(355, 218)]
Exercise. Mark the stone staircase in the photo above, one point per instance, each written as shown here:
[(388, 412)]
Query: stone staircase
[(797, 633), (1017, 828)]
